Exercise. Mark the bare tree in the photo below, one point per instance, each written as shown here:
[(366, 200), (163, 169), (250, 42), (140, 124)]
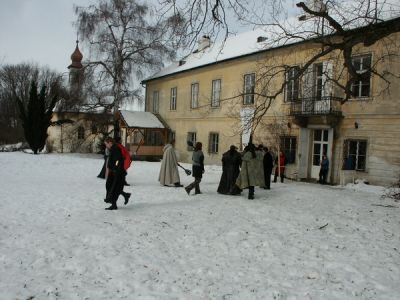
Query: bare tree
[(126, 38)]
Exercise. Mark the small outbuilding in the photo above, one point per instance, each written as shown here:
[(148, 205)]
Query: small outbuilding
[(143, 133)]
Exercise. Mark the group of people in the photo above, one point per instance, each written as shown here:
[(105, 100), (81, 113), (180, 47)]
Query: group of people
[(250, 169), (240, 171)]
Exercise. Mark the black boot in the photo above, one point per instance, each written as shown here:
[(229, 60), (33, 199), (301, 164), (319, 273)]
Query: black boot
[(112, 207), (178, 184), (126, 196), (187, 189)]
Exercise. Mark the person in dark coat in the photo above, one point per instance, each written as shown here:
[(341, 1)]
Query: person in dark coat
[(231, 162), (268, 165), (116, 174), (323, 172), (197, 169)]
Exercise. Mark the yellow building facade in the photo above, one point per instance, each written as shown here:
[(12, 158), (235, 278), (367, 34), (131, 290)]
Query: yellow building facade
[(207, 100)]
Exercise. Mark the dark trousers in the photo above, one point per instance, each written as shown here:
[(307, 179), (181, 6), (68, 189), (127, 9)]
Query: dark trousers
[(195, 184), (114, 187), (322, 176), (251, 192), (267, 175)]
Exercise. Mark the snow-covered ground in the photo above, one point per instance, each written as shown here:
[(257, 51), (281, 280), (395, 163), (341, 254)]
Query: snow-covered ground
[(296, 241)]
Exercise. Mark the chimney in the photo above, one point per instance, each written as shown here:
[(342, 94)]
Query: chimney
[(204, 42), (261, 39)]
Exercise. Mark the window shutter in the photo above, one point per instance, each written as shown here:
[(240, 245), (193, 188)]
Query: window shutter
[(326, 78), (308, 82)]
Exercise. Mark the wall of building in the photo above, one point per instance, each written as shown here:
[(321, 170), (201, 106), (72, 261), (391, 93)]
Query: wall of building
[(378, 116)]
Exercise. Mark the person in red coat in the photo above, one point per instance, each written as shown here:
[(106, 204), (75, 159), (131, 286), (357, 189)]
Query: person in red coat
[(126, 155), (280, 166)]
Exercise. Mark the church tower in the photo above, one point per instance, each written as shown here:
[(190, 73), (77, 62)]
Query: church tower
[(76, 72)]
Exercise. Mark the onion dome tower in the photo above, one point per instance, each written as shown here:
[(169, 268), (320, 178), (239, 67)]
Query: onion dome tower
[(76, 71)]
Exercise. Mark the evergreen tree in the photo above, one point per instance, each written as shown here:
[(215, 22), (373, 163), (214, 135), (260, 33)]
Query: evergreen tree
[(36, 117)]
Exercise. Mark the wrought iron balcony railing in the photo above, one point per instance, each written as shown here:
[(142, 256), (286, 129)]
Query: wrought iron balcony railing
[(316, 106)]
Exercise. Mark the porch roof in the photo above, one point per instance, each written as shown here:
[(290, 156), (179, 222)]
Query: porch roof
[(140, 119)]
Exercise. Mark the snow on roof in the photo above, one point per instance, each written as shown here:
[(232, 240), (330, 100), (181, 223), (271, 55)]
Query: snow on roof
[(251, 42), (141, 119), (234, 46)]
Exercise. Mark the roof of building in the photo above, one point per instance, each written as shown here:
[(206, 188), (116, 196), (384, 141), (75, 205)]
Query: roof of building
[(140, 119), (232, 47), (245, 44)]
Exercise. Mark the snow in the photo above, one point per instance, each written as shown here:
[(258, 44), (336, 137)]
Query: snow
[(295, 241), (141, 119)]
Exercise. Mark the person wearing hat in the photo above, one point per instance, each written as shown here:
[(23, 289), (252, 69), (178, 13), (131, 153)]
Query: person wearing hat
[(231, 162)]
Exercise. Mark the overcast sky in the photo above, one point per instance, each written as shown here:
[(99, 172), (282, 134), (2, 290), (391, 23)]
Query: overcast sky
[(38, 31)]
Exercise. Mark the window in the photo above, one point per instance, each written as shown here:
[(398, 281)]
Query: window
[(318, 80), (81, 133), (154, 138), (191, 137), (172, 105), (194, 103), (213, 142), (215, 92), (292, 87), (156, 102), (362, 86), (288, 147), (355, 153), (249, 87)]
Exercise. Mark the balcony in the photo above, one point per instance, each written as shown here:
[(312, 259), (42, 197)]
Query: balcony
[(326, 110)]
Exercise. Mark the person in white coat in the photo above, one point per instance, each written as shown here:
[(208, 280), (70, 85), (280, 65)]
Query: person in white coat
[(169, 174)]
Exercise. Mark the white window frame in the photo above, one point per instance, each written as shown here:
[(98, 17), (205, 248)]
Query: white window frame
[(292, 91), (249, 88), (156, 101), (194, 102), (357, 154), (215, 92), (173, 98), (361, 70), (213, 139), (192, 137)]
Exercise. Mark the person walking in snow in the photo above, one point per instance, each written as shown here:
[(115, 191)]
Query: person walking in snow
[(127, 157), (116, 174), (231, 162), (197, 169), (323, 172), (251, 173), (169, 167)]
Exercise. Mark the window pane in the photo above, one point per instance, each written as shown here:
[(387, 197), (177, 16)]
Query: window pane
[(362, 148), (317, 135), (317, 149), (325, 135), (361, 163)]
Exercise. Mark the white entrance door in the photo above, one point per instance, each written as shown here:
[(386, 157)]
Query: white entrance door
[(320, 147)]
